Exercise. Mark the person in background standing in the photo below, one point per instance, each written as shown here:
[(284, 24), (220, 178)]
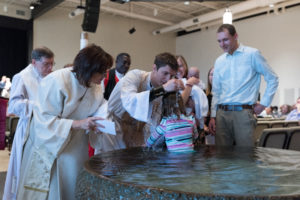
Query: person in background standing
[(183, 67), (2, 83), (23, 98), (123, 62)]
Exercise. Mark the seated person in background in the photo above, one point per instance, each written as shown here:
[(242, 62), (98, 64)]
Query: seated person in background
[(285, 109), (176, 127), (6, 90), (294, 115), (2, 83), (274, 113), (267, 112)]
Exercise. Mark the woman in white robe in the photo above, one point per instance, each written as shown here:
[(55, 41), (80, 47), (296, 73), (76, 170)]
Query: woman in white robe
[(57, 144)]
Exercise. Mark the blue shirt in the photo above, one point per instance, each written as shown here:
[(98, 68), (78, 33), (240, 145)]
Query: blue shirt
[(236, 79), (294, 115)]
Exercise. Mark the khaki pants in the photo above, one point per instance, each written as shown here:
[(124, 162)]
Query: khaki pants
[(235, 127)]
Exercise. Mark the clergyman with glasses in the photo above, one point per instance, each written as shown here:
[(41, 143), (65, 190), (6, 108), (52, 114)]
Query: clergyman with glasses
[(22, 100)]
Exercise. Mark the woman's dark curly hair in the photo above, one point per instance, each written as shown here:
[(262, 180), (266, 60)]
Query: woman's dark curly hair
[(90, 60)]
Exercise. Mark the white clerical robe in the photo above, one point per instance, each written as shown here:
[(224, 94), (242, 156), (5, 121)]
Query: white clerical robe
[(134, 115), (22, 99), (54, 153)]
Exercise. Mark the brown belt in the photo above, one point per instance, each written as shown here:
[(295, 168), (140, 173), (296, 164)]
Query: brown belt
[(234, 107)]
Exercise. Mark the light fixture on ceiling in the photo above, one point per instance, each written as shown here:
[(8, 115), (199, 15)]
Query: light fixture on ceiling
[(31, 6), (132, 30), (227, 16), (5, 8), (78, 11), (187, 3), (155, 12), (34, 4), (84, 40)]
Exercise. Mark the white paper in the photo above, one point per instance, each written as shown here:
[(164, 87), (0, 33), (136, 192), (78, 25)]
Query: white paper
[(109, 127)]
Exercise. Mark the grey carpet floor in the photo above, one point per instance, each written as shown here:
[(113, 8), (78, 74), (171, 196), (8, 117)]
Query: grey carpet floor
[(2, 182)]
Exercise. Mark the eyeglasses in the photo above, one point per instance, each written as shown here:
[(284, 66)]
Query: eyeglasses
[(47, 64)]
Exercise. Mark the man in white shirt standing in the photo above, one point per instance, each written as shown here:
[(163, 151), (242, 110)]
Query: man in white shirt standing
[(22, 100), (235, 88)]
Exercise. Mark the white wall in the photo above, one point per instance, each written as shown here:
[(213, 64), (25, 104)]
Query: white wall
[(276, 36), (62, 35)]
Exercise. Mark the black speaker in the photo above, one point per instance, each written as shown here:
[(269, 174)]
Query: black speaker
[(91, 15)]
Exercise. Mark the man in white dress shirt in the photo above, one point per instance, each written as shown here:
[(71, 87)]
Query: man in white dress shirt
[(22, 100), (135, 103)]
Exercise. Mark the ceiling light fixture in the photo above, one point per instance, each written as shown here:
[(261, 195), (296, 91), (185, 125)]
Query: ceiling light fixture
[(186, 3), (132, 30), (78, 11), (31, 6), (34, 4), (227, 16), (155, 12), (5, 8)]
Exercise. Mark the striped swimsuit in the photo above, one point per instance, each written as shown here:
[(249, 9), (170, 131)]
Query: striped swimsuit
[(178, 133)]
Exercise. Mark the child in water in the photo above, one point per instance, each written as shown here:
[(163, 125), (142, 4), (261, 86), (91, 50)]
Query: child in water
[(175, 127)]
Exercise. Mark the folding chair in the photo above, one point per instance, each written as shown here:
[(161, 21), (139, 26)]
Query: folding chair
[(277, 124), (12, 128), (274, 138), (7, 132), (291, 123), (294, 139), (261, 125)]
